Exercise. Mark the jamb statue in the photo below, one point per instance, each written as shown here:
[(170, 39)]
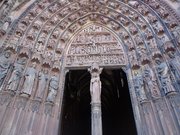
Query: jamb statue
[(16, 75), (15, 78), (42, 81), (150, 82), (53, 89), (174, 63), (4, 66), (30, 77), (139, 86), (164, 76)]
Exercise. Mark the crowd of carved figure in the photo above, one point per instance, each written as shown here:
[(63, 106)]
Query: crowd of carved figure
[(151, 41), (14, 74), (162, 81)]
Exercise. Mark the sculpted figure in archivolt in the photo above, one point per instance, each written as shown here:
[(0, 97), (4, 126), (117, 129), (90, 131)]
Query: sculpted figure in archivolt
[(95, 84)]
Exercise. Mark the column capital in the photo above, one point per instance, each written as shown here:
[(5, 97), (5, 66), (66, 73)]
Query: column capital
[(95, 68)]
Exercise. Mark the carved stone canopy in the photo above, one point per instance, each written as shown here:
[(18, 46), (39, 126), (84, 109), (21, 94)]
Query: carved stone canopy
[(36, 58), (168, 46), (46, 63), (11, 47), (157, 54), (56, 66), (135, 65), (145, 60), (24, 52)]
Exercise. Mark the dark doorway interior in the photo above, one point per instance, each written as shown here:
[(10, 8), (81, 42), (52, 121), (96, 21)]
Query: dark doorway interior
[(117, 115)]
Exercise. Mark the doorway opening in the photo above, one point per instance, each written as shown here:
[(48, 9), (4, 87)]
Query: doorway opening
[(76, 115), (117, 114)]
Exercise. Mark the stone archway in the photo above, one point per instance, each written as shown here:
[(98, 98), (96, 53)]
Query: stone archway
[(95, 44), (40, 37)]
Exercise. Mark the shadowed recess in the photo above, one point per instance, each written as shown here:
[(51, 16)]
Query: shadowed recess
[(117, 114)]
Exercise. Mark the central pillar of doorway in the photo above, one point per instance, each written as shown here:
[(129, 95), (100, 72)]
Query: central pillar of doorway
[(95, 90)]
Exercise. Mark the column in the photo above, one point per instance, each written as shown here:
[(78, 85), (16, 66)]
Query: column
[(95, 90)]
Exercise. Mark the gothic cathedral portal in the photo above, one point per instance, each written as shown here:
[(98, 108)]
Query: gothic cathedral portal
[(89, 67)]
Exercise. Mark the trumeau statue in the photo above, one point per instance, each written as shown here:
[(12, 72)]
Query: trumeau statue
[(150, 81), (53, 89), (4, 65), (42, 81), (174, 63), (30, 76), (139, 87), (164, 76), (95, 84), (95, 87)]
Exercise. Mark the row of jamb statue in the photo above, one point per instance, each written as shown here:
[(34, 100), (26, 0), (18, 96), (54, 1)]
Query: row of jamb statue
[(168, 75), (27, 77)]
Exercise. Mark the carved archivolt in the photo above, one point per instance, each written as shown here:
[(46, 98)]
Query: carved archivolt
[(140, 36), (44, 33)]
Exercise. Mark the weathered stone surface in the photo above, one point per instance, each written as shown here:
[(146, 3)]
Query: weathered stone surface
[(41, 40)]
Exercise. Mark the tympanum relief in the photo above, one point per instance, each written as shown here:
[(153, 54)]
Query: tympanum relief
[(95, 44)]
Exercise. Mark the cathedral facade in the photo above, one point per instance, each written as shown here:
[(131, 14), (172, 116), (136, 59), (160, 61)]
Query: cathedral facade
[(90, 67)]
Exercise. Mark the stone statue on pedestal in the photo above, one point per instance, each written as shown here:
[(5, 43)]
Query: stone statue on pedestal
[(95, 88), (53, 88), (16, 75), (95, 91), (164, 76), (4, 65), (95, 84), (42, 81), (174, 63), (139, 86), (30, 77), (15, 78), (150, 81)]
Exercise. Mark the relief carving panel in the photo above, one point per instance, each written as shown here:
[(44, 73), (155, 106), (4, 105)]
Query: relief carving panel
[(95, 44)]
